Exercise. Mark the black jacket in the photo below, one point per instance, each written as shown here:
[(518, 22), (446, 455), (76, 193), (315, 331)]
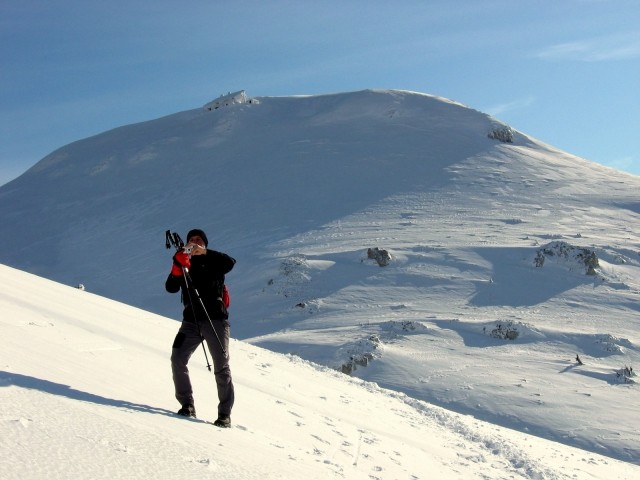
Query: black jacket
[(206, 275)]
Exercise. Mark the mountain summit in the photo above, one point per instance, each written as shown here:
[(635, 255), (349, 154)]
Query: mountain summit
[(254, 174)]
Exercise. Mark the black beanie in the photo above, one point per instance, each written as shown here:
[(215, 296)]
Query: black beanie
[(199, 233)]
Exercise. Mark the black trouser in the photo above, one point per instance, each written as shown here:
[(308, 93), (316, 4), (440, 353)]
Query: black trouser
[(186, 342)]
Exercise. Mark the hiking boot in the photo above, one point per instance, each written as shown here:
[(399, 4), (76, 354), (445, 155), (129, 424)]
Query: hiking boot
[(223, 421), (187, 410)]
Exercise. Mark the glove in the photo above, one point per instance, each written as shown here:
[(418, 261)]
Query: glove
[(180, 259)]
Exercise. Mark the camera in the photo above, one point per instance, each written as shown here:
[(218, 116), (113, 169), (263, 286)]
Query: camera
[(174, 239)]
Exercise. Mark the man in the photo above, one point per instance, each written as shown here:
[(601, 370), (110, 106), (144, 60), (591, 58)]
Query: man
[(204, 316)]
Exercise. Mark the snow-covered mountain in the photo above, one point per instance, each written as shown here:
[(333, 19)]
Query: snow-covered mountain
[(509, 259)]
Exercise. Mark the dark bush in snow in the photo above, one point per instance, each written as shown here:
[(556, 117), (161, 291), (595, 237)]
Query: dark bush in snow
[(504, 331), (626, 375), (360, 353), (582, 257), (383, 257), (503, 134)]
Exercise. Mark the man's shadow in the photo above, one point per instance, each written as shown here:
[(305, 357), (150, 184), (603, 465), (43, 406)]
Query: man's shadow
[(25, 381)]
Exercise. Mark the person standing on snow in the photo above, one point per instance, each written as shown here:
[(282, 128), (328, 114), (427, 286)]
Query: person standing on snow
[(206, 270)]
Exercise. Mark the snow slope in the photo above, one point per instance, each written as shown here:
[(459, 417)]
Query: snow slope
[(86, 393), (487, 239)]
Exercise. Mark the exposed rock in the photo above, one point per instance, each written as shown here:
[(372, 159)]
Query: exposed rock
[(383, 257)]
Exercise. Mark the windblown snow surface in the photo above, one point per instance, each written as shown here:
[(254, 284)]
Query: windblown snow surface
[(86, 393), (498, 340)]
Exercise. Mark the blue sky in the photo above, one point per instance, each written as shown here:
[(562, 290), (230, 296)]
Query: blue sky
[(564, 71)]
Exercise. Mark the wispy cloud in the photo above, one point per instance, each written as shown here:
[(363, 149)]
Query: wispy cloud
[(629, 164), (497, 110), (622, 46)]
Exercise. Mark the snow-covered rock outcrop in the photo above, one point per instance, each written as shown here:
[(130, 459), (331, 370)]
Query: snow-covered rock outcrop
[(235, 98)]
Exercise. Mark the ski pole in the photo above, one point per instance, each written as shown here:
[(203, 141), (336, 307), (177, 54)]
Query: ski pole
[(184, 274), (175, 240), (204, 309)]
